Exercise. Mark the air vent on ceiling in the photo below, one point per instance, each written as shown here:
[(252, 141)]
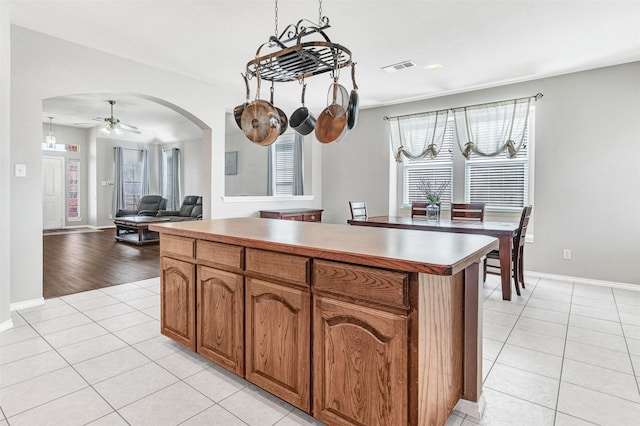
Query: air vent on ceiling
[(399, 66)]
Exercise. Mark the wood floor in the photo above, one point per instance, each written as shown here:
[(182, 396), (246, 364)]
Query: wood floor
[(85, 261)]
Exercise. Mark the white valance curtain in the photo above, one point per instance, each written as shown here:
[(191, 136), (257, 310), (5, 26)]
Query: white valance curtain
[(485, 129), (418, 135), (489, 129)]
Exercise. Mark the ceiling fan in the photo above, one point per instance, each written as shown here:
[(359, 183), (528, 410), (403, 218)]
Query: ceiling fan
[(113, 126)]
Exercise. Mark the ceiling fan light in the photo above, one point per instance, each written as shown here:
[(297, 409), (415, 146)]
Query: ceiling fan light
[(117, 131), (106, 130)]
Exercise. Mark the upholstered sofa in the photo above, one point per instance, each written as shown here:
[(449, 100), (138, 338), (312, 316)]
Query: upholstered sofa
[(191, 209), (149, 205)]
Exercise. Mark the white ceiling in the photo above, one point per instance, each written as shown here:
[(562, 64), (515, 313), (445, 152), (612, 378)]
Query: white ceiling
[(479, 43)]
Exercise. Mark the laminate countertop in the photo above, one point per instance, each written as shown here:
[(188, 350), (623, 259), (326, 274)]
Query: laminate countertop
[(438, 253)]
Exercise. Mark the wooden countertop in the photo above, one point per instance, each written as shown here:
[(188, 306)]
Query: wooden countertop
[(438, 253)]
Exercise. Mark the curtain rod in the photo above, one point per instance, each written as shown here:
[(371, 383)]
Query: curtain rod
[(537, 96)]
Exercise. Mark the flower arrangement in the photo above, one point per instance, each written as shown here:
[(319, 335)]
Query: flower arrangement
[(432, 190)]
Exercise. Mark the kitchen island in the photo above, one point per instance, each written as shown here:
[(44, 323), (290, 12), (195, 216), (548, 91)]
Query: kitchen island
[(353, 325)]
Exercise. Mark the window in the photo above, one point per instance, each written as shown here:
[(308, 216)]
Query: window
[(73, 189), (132, 171), (500, 182), (435, 170), (285, 166), (171, 177)]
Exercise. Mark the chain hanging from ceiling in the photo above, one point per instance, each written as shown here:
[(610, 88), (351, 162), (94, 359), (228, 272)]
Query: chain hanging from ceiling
[(297, 58)]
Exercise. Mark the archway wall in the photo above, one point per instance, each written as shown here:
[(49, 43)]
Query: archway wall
[(44, 67)]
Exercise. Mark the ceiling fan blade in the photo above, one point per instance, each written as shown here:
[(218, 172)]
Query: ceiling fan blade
[(99, 119), (129, 128)]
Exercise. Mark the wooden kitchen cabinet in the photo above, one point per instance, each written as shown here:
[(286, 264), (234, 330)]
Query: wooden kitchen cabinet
[(220, 318), (360, 365), (360, 341), (278, 340), (178, 297), (355, 329)]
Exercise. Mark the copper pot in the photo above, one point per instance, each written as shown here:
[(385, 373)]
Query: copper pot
[(260, 121)]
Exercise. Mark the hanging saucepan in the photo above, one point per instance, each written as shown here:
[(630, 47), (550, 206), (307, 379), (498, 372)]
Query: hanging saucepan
[(352, 109), (284, 122), (260, 121), (332, 122), (302, 121), (237, 111)]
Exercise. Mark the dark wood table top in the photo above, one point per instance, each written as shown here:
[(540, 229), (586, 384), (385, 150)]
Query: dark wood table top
[(414, 251), (138, 220), (442, 225)]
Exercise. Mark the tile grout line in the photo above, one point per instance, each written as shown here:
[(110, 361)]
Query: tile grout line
[(564, 351), (74, 369), (633, 370)]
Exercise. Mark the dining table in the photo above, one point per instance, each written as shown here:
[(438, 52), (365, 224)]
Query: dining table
[(503, 231)]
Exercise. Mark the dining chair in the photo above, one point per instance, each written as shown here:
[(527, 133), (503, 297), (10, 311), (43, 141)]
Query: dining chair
[(472, 212), (358, 209), (517, 253), (419, 209)]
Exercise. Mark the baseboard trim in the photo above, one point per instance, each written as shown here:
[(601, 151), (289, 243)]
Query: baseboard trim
[(102, 227), (27, 304), (471, 408), (580, 280), (6, 325)]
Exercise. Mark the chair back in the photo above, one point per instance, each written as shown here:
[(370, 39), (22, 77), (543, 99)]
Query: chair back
[(472, 212), (419, 209), (518, 240), (358, 209), (150, 202)]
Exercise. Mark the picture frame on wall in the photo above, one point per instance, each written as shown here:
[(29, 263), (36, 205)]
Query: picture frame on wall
[(231, 163)]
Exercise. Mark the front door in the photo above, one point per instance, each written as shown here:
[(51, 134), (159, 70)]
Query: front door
[(52, 193)]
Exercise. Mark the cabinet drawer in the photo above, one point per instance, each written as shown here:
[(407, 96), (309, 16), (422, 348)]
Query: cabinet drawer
[(226, 256), (312, 217), (181, 247), (298, 217), (286, 267), (378, 286)]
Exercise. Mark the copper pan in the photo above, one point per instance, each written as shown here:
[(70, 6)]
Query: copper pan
[(260, 121), (329, 128)]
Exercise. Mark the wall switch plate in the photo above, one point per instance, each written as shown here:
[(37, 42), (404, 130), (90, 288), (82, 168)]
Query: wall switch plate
[(21, 170), (566, 254)]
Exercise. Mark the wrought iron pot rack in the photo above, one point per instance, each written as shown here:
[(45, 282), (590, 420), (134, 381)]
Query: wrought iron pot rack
[(295, 62)]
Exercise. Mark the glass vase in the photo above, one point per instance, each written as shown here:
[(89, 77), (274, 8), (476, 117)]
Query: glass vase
[(433, 212)]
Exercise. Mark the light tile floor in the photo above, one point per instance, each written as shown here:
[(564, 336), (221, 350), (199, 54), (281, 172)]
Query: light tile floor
[(560, 354)]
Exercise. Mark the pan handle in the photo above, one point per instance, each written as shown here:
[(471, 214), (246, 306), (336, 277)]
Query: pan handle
[(353, 75)]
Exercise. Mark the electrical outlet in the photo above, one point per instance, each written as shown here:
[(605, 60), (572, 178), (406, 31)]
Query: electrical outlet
[(566, 254)]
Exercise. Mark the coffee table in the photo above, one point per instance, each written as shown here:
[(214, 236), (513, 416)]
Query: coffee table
[(140, 227)]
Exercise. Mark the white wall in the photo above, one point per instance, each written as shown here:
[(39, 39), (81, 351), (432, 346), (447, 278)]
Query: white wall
[(5, 166), (587, 169), (45, 67)]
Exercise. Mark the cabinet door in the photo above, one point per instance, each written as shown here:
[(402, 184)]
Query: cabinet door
[(277, 340), (360, 365), (221, 318), (178, 296)]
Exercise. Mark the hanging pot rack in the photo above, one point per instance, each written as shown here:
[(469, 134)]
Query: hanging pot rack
[(301, 60)]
